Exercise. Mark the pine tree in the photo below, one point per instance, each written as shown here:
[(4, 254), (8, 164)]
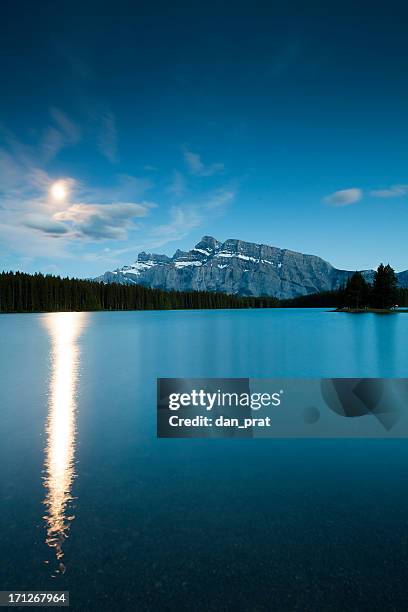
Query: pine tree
[(356, 293), (385, 287)]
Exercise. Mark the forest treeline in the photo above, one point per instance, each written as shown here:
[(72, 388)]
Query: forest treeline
[(20, 292)]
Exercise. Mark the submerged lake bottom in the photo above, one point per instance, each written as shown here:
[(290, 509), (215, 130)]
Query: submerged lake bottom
[(94, 504)]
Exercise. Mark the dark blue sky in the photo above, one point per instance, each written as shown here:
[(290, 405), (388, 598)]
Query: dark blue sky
[(130, 126)]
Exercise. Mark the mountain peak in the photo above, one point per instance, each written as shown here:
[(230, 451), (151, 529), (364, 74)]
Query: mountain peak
[(152, 257), (209, 243)]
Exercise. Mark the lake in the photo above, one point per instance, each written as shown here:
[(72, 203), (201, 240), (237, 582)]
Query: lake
[(93, 503)]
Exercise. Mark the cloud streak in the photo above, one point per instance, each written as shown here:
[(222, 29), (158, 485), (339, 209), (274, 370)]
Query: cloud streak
[(198, 168), (108, 137), (186, 217), (44, 224), (102, 221), (394, 191), (344, 197), (182, 221), (63, 133), (178, 185)]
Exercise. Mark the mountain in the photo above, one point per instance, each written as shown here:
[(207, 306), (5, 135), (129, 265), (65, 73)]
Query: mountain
[(236, 267)]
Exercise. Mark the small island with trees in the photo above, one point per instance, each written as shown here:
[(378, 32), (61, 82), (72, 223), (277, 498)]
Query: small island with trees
[(382, 296)]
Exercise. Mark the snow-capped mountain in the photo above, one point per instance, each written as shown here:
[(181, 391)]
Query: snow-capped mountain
[(236, 267)]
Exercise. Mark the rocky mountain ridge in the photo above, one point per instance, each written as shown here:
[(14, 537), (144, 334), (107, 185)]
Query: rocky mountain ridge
[(236, 267)]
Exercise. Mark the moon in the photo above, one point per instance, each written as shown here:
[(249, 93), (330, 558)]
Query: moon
[(59, 191)]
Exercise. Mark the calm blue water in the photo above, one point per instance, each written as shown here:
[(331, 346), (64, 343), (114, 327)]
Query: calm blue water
[(194, 524)]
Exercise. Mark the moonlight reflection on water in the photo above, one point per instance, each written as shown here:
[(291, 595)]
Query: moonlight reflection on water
[(59, 465)]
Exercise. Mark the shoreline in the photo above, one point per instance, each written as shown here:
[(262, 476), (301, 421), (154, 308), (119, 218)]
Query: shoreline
[(293, 308), (370, 310)]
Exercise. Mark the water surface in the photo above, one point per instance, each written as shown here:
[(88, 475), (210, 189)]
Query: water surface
[(93, 503)]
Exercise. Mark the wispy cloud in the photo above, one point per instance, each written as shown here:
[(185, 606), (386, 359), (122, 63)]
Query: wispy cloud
[(178, 185), (220, 198), (126, 188), (68, 128), (186, 217), (9, 172), (62, 133), (44, 224), (394, 191), (101, 221), (108, 136), (100, 122), (31, 213), (197, 167), (81, 220), (182, 221), (344, 197)]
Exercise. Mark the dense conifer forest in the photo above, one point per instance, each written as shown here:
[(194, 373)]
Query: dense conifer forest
[(20, 292)]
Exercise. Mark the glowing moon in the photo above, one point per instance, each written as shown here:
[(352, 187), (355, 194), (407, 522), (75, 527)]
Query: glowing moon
[(59, 191)]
